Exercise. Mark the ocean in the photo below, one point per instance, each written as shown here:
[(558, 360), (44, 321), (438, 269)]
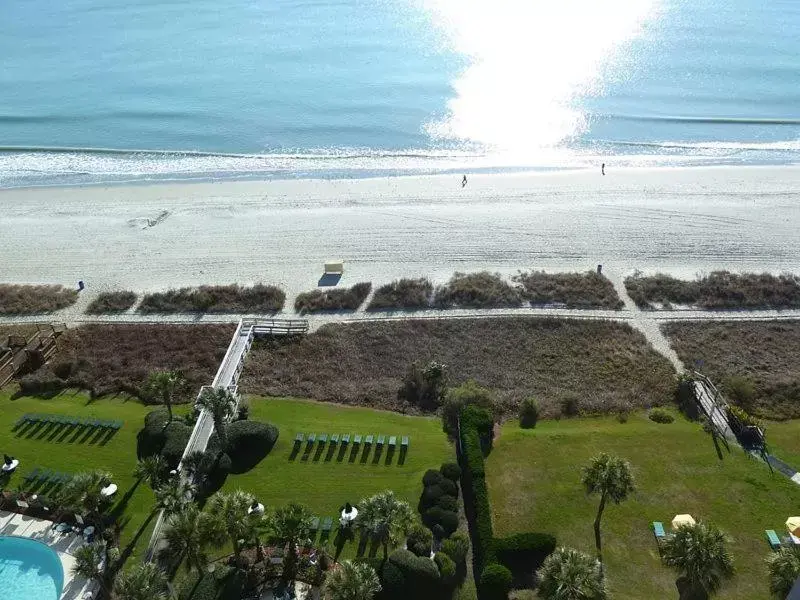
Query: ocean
[(96, 91)]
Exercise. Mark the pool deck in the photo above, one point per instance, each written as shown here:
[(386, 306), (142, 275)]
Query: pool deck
[(64, 545)]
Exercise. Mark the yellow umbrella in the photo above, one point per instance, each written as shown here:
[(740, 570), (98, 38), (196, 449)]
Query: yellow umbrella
[(682, 520), (793, 525)]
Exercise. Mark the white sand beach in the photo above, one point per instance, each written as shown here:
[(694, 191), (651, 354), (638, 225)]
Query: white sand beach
[(150, 237)]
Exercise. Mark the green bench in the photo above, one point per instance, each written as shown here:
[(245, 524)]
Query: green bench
[(392, 442), (345, 439), (773, 539), (404, 442), (381, 440)]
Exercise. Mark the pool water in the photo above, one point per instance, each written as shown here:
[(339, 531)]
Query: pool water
[(29, 570)]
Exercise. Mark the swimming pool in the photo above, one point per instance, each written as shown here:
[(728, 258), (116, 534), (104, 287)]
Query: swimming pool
[(29, 569)]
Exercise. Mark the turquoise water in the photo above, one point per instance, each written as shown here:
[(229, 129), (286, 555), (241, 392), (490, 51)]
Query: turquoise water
[(29, 569), (294, 88)]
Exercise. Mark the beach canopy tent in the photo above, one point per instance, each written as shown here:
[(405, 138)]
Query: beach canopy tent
[(334, 267), (793, 525), (682, 521)]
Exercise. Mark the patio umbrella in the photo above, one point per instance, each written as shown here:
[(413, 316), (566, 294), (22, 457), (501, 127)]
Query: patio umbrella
[(682, 520), (793, 525)]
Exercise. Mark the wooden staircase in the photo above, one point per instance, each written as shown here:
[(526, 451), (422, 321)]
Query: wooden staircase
[(19, 355)]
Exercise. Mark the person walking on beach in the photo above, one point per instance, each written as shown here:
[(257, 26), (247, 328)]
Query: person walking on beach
[(603, 169), (464, 181)]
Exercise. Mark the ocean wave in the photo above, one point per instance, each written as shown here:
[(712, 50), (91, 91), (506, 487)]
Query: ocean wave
[(779, 146), (677, 119)]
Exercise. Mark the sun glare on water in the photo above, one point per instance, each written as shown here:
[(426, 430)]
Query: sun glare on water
[(527, 62)]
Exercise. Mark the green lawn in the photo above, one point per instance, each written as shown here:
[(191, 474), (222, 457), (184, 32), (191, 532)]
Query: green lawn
[(49, 448), (325, 485), (534, 481), (783, 439)]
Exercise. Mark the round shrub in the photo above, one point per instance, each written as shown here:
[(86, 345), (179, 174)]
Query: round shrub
[(393, 581), (449, 488), (447, 503), (659, 415), (528, 413), (447, 569), (420, 540), (432, 477), (430, 496), (446, 519), (176, 437), (456, 547), (451, 471), (156, 418), (248, 443), (495, 582), (420, 575)]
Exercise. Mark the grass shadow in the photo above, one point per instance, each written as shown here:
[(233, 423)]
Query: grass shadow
[(79, 430), (363, 540), (67, 430), (99, 433), (365, 454), (401, 458), (122, 503), (389, 454), (376, 457), (343, 535), (342, 452), (319, 451), (331, 452), (107, 437), (329, 279), (353, 453), (295, 451), (126, 553), (57, 429)]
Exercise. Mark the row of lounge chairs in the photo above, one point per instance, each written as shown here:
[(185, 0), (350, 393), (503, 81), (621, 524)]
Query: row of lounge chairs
[(345, 439), (46, 476), (775, 542), (71, 421)]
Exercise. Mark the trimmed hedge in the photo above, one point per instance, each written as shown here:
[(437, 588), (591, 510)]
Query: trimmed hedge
[(447, 570), (432, 477), (456, 547), (659, 415), (495, 583), (451, 471), (249, 442), (476, 494), (169, 442), (438, 503), (523, 553), (406, 575), (420, 540)]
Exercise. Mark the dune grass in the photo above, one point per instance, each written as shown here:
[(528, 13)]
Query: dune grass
[(718, 290), (34, 299), (111, 302), (335, 299), (534, 483), (763, 353), (257, 299), (324, 483), (477, 290), (403, 294), (69, 450), (597, 365), (574, 290)]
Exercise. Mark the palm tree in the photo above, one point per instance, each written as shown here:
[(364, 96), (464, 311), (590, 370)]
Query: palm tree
[(611, 477), (784, 569), (700, 555), (152, 470), (231, 509), (571, 575), (173, 496), (386, 518), (221, 404), (142, 582), (164, 386), (291, 524), (90, 563), (352, 582), (82, 492), (190, 533)]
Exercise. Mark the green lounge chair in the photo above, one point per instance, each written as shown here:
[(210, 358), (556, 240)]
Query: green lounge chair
[(315, 524), (312, 437), (335, 438), (392, 441), (32, 475), (404, 442), (773, 539), (368, 440), (298, 439), (346, 439), (44, 475), (357, 440), (658, 530), (323, 438), (327, 524), (22, 420), (381, 440)]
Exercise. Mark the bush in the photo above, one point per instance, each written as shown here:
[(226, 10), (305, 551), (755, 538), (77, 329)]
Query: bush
[(495, 583), (34, 299), (335, 299), (528, 413), (404, 293), (523, 554), (42, 382), (216, 299), (456, 399), (446, 519), (393, 581), (176, 437), (476, 496), (248, 443), (477, 290), (659, 415), (481, 420), (449, 503), (111, 302), (420, 540), (447, 569), (451, 471), (420, 576), (424, 387), (456, 547), (150, 439), (740, 390), (432, 477), (575, 290), (570, 406)]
